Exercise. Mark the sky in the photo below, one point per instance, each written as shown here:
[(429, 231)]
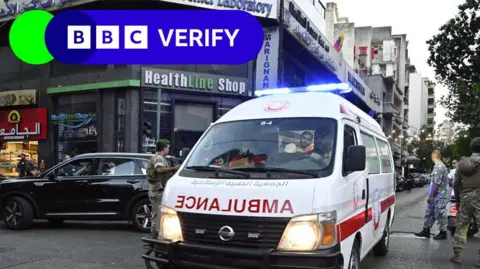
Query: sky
[(418, 19)]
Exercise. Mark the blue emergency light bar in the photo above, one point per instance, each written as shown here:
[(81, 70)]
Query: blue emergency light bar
[(337, 88)]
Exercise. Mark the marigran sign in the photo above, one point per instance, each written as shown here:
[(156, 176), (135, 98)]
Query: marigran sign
[(194, 82)]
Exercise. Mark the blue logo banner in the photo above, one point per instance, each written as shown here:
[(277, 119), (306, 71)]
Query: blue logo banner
[(154, 37)]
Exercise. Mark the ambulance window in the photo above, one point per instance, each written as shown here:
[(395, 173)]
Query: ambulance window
[(373, 162), (349, 139), (385, 159)]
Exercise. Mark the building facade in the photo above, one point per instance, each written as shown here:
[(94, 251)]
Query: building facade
[(431, 104), (129, 107), (417, 116), (446, 132), (381, 59)]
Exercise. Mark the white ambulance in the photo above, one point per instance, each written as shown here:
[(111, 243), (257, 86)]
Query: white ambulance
[(299, 180)]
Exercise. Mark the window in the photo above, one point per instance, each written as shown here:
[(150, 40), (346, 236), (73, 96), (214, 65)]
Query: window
[(363, 50), (373, 162), (118, 167), (120, 121), (75, 124), (385, 156), (82, 167), (349, 139), (143, 166), (270, 143)]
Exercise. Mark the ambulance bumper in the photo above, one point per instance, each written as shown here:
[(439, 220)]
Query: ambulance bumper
[(162, 254)]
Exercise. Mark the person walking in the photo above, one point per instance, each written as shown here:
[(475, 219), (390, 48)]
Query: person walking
[(158, 173), (467, 189), (437, 200)]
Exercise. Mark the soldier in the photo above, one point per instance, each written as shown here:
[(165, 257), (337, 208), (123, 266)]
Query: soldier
[(158, 173), (467, 189), (437, 200)]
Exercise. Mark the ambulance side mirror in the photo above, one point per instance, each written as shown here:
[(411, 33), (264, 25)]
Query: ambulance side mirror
[(356, 159)]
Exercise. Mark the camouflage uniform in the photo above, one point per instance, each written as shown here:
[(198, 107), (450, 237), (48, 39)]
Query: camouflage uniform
[(469, 207), (157, 183), (437, 209)]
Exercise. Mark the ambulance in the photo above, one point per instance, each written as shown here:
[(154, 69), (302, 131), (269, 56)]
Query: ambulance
[(297, 178)]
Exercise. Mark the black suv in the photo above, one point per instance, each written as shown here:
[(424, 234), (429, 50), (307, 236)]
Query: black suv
[(94, 186)]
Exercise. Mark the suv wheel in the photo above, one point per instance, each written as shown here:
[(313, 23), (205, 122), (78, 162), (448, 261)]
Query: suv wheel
[(142, 215), (18, 213)]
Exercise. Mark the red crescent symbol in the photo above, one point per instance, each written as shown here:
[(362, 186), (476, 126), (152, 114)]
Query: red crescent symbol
[(276, 106)]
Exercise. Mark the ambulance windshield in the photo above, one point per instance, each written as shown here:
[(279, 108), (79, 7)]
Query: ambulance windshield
[(300, 144)]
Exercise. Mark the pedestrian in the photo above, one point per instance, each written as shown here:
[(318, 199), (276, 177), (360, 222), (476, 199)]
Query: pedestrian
[(437, 200), (451, 174), (467, 189), (22, 165), (158, 173)]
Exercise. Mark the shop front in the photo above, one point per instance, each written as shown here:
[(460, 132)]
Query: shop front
[(189, 103), (21, 130)]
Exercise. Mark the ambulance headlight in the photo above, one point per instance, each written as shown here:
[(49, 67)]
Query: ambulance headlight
[(310, 232), (170, 228)]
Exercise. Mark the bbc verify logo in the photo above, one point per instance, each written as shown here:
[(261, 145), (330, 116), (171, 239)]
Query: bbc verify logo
[(136, 37), (107, 37)]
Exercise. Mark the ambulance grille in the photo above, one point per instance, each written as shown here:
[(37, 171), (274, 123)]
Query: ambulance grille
[(250, 232)]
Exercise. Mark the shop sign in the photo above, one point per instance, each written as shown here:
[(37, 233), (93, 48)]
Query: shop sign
[(18, 98), (12, 8), (194, 82), (267, 60), (23, 124), (297, 23), (355, 83), (76, 124), (263, 8)]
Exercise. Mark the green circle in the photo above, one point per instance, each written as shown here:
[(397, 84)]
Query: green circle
[(27, 37)]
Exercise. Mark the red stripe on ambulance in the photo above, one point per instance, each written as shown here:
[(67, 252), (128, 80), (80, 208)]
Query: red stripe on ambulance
[(234, 205), (355, 223)]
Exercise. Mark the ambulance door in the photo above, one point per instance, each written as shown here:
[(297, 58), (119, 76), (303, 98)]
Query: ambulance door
[(358, 183), (376, 189)]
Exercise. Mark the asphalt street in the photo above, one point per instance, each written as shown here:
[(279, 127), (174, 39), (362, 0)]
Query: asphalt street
[(78, 245)]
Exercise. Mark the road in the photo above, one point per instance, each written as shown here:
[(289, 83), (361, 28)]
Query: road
[(80, 245)]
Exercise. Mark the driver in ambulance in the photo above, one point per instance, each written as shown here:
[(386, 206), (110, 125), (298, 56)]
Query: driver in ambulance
[(323, 145), (305, 144)]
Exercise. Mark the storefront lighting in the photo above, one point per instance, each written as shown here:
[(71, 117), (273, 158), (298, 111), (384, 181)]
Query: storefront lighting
[(338, 88)]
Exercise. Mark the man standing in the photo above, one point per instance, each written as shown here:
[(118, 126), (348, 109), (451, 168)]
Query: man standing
[(437, 200), (158, 173), (22, 165), (467, 190)]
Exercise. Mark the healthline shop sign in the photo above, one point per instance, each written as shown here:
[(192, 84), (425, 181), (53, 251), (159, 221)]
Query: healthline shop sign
[(194, 82)]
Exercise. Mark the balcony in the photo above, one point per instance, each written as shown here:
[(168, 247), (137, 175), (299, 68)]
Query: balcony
[(431, 105), (399, 91), (389, 108), (431, 94), (431, 115), (430, 125)]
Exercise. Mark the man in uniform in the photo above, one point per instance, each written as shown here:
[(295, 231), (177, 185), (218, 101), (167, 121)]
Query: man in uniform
[(467, 191), (437, 200), (158, 173)]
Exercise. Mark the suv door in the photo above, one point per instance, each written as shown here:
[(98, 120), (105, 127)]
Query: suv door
[(65, 193), (116, 181)]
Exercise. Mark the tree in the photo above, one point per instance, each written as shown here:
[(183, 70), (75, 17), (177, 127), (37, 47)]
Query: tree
[(455, 56), (422, 146)]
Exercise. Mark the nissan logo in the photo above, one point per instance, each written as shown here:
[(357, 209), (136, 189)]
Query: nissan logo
[(226, 233)]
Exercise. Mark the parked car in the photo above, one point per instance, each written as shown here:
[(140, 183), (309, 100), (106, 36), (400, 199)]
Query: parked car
[(400, 183), (94, 186), (419, 181)]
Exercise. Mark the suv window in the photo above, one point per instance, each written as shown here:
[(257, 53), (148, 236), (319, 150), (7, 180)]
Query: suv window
[(118, 167), (143, 166), (81, 167)]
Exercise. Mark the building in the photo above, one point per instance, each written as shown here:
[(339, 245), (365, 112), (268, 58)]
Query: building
[(446, 132), (431, 104), (381, 59), (417, 116), (81, 108)]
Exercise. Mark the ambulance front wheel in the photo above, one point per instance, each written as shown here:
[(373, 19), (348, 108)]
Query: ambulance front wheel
[(354, 262), (381, 248)]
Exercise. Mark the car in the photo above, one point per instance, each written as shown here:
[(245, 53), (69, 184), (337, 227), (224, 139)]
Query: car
[(94, 186), (419, 181)]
